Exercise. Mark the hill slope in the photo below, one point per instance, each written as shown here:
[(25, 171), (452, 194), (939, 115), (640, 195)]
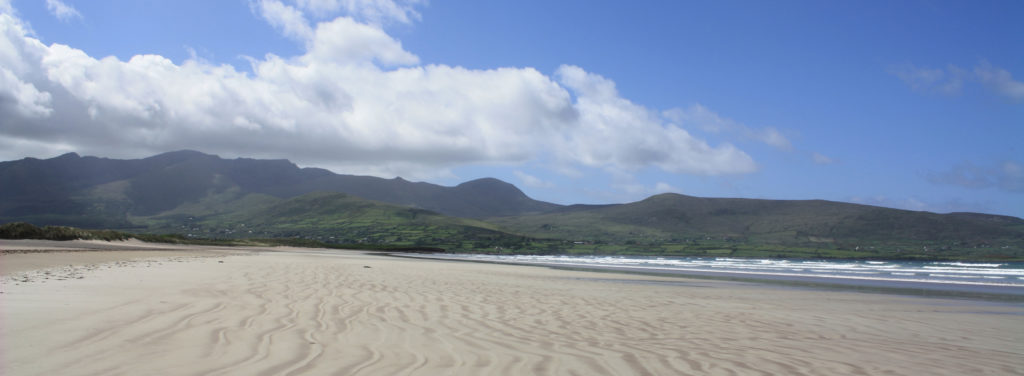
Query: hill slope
[(191, 192), (717, 223), (342, 218), (99, 192)]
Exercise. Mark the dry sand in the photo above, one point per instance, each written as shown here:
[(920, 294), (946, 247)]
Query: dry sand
[(23, 256), (346, 313)]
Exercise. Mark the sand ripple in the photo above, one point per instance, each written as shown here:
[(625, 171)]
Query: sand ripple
[(292, 314)]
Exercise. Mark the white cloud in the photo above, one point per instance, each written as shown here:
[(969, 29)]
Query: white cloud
[(285, 18), (355, 101), (663, 187), (615, 133), (532, 181), (23, 97), (566, 170), (947, 80), (701, 117), (821, 158), (61, 10), (950, 80), (372, 11), (293, 18), (16, 94), (773, 137), (1000, 80), (345, 41)]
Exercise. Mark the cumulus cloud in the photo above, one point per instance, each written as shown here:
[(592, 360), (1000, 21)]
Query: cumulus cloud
[(285, 18), (22, 97), (1007, 176), (61, 10), (617, 133), (344, 41), (372, 11), (17, 95), (292, 17), (701, 117), (355, 101)]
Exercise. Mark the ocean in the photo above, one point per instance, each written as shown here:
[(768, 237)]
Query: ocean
[(992, 277)]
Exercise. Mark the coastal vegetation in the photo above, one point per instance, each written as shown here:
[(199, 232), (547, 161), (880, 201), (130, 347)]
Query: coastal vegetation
[(22, 230)]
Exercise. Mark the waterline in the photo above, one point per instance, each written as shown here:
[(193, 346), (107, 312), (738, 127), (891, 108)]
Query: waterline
[(1000, 275)]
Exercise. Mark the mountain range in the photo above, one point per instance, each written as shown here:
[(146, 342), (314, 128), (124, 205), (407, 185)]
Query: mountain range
[(76, 190), (193, 193)]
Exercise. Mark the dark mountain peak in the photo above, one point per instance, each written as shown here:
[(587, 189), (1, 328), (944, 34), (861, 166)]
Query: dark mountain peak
[(670, 200), (179, 156), (668, 196), (314, 173), (71, 185), (490, 184), (487, 180), (274, 164), (490, 187), (185, 153), (490, 197)]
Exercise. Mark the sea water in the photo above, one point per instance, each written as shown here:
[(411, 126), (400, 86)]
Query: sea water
[(996, 274)]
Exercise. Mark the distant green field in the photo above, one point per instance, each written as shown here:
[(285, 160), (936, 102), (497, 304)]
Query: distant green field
[(439, 239)]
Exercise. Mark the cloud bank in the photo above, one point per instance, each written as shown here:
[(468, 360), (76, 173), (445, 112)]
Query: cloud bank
[(355, 101)]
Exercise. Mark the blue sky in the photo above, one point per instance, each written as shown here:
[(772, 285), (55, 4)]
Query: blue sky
[(913, 104)]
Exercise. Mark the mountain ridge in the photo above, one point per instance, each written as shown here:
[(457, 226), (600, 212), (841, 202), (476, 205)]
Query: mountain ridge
[(189, 191), (162, 182)]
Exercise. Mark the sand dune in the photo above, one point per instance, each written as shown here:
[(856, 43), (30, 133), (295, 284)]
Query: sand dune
[(290, 313)]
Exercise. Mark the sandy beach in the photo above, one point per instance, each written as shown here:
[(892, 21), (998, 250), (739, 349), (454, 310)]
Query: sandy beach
[(132, 310)]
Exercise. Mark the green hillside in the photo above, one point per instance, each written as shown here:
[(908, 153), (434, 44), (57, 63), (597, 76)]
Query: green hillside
[(95, 192), (201, 196), (684, 225), (338, 218)]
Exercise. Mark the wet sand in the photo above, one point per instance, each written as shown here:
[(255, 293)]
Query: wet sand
[(291, 311)]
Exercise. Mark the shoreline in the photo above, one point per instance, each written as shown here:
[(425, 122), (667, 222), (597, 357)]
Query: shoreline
[(990, 292), (131, 249)]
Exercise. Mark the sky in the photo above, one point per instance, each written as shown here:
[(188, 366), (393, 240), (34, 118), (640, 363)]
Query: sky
[(911, 104)]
